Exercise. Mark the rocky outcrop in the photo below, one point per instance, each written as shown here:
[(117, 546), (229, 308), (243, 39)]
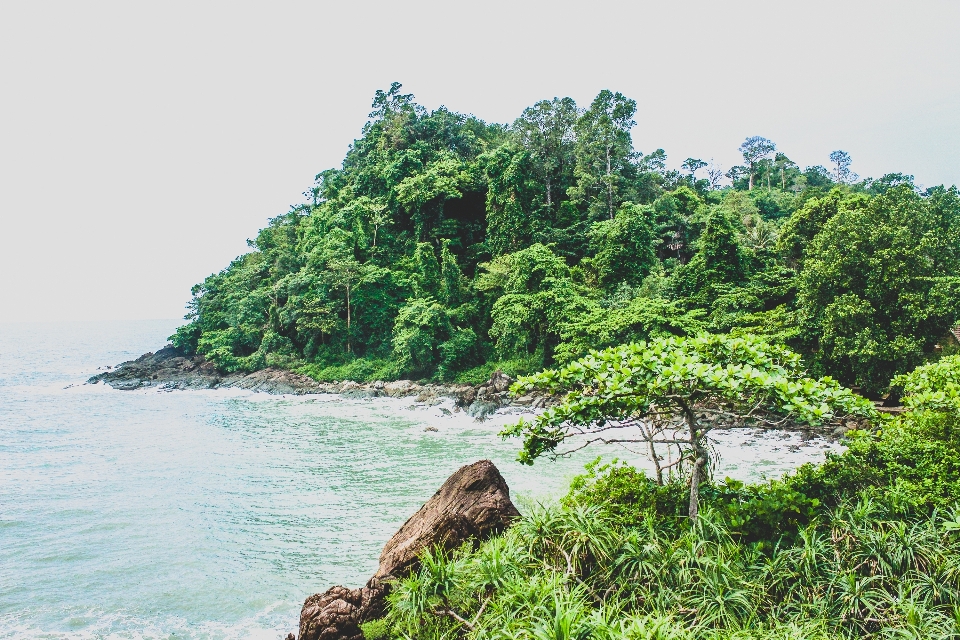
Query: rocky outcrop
[(170, 368), (473, 504)]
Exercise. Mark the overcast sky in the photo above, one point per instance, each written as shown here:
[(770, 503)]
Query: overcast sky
[(142, 144)]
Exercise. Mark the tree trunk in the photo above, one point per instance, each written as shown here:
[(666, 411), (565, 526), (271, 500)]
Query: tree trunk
[(656, 462), (694, 509), (699, 460), (609, 186), (750, 185), (348, 316), (549, 203)]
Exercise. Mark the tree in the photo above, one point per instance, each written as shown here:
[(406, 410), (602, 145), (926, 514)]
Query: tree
[(547, 130), (933, 391), (806, 222), (603, 148), (426, 279), (692, 165), (420, 328), (841, 167), (623, 247), (533, 293), (343, 272), (737, 173), (668, 394), (714, 174), (718, 262), (452, 287), (879, 286), (755, 149), (785, 166)]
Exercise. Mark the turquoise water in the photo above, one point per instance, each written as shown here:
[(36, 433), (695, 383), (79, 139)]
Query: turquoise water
[(213, 514)]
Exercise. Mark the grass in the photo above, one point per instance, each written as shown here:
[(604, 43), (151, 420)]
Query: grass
[(876, 555)]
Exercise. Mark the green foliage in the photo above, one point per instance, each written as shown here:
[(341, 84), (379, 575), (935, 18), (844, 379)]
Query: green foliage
[(878, 289), (933, 387), (720, 260), (513, 368), (623, 246), (618, 322), (848, 549), (553, 235), (358, 370), (655, 381), (421, 327)]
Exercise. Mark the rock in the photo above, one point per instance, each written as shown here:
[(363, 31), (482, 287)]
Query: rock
[(500, 381), (482, 409), (428, 396), (431, 429), (524, 400), (399, 388), (332, 615), (464, 396), (473, 504), (171, 368)]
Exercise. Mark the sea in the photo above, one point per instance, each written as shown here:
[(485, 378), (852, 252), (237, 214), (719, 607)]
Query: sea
[(214, 514)]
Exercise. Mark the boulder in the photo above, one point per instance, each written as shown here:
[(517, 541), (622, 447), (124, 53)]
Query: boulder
[(400, 388), (500, 382), (332, 615), (473, 504)]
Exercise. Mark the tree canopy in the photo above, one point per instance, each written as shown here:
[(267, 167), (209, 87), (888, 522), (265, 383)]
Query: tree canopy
[(445, 247), (671, 392)]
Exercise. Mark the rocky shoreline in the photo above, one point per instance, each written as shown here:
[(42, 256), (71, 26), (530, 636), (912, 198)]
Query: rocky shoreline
[(171, 369)]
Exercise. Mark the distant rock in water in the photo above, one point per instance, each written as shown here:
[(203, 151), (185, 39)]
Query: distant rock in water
[(473, 504), (170, 368)]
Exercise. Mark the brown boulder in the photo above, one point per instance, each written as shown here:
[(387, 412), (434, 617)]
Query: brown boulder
[(332, 615), (474, 503)]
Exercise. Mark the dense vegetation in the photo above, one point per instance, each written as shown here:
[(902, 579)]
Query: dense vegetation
[(866, 545), (662, 304), (446, 247)]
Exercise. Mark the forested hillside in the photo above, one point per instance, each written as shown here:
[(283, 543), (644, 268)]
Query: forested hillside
[(446, 247)]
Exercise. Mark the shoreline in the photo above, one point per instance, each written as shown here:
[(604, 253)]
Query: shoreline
[(170, 369)]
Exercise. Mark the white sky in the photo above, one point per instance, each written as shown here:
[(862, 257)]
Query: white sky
[(140, 145)]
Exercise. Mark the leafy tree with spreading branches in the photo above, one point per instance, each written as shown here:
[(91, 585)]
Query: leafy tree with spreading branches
[(668, 394)]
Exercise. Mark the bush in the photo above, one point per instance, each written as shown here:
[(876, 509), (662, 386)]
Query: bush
[(513, 368), (359, 370)]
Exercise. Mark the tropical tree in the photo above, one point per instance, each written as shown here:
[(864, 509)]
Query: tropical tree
[(691, 166), (879, 286), (547, 130), (841, 167), (603, 149), (668, 394), (754, 150)]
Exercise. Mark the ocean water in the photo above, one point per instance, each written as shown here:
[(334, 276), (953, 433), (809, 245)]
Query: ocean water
[(213, 514)]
